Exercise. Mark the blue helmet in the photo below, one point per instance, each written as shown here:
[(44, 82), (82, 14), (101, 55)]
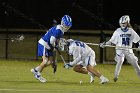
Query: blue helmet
[(66, 20)]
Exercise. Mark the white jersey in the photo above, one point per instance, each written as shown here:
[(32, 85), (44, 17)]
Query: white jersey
[(80, 51), (121, 38)]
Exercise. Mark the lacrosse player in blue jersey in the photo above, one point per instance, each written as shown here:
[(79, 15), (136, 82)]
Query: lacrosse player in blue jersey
[(47, 43), (83, 59), (124, 37)]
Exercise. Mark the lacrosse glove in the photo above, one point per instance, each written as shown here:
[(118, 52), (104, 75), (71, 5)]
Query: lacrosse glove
[(67, 66), (102, 45)]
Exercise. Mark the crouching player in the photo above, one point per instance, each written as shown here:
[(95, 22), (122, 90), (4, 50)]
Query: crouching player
[(83, 56)]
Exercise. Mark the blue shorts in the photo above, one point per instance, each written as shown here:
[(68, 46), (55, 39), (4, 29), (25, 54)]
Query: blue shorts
[(42, 51)]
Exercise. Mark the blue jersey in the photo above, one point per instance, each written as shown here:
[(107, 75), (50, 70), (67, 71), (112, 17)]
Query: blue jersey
[(56, 32)]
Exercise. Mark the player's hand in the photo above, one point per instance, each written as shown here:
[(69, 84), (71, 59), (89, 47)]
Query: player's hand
[(102, 45), (67, 65), (52, 49)]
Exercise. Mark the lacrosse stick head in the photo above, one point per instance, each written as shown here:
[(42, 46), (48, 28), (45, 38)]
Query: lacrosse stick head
[(21, 38), (18, 38)]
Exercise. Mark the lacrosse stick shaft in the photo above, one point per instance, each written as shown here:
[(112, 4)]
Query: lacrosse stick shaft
[(61, 56), (112, 46), (62, 59), (93, 44)]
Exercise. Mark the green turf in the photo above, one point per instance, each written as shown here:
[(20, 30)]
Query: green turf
[(15, 77)]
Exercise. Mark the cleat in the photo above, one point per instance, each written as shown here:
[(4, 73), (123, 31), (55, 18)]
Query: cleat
[(115, 79), (35, 72), (41, 79), (103, 81), (38, 76)]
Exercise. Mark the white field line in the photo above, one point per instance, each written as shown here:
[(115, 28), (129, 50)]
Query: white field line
[(40, 90)]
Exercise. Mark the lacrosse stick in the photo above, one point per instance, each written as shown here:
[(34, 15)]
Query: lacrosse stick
[(17, 38), (61, 56), (112, 46), (54, 66)]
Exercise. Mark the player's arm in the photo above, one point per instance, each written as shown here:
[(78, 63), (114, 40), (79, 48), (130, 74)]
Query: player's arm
[(76, 56), (136, 39), (75, 52), (53, 41), (112, 41), (57, 34)]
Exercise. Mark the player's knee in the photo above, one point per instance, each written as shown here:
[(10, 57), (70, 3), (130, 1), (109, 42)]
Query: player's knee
[(75, 68), (133, 60), (78, 68), (119, 60), (46, 61)]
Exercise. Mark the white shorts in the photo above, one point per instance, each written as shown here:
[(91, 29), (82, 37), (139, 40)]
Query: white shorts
[(129, 55), (89, 60)]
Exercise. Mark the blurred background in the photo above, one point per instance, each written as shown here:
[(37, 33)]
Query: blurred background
[(93, 21)]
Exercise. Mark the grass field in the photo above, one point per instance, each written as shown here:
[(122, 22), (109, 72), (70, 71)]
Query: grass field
[(15, 77)]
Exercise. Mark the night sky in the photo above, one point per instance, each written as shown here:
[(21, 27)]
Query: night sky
[(86, 14)]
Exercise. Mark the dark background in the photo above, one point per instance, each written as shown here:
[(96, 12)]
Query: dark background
[(86, 14)]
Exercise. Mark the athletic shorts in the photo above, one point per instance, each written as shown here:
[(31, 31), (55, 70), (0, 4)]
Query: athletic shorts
[(89, 60), (42, 51)]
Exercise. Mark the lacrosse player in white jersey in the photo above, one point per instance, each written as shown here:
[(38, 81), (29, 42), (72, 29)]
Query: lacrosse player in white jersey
[(124, 37), (83, 56)]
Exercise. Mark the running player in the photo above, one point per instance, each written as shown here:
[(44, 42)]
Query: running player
[(47, 43)]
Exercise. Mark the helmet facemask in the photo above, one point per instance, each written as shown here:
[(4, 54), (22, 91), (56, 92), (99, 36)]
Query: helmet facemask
[(66, 23), (61, 44), (124, 21), (65, 28), (124, 26)]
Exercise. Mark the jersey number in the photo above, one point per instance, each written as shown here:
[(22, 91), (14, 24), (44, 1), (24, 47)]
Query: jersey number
[(125, 41), (81, 44)]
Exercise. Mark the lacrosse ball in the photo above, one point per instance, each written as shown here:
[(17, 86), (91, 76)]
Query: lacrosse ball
[(81, 82)]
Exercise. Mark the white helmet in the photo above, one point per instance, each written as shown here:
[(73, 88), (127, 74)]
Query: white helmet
[(61, 44), (124, 21)]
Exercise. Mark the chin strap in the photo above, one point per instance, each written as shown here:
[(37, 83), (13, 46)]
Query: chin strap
[(125, 29)]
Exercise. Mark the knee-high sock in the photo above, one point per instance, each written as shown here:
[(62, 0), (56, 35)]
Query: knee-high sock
[(37, 68), (90, 74)]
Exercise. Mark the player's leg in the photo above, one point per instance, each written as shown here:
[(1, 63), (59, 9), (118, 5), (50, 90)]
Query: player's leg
[(81, 69), (92, 70), (37, 70), (90, 65), (119, 58), (133, 60), (91, 76), (42, 51)]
